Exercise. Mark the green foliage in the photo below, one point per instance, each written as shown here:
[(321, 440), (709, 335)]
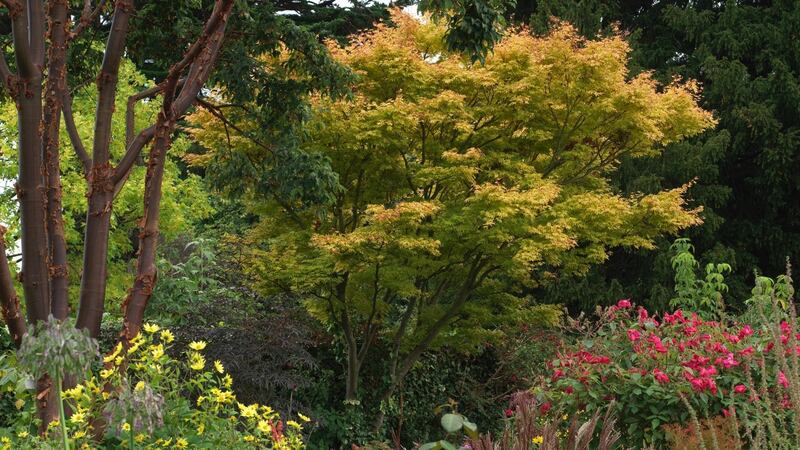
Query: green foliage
[(455, 426), (704, 296)]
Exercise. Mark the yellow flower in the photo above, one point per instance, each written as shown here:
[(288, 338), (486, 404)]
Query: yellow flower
[(303, 417), (53, 424), (77, 417), (198, 362), (22, 434), (218, 365), (197, 345), (538, 440), (294, 424), (201, 428), (78, 434), (113, 354), (167, 336), (181, 443), (151, 328), (139, 386), (157, 351), (227, 381), (248, 411), (74, 392), (264, 426), (126, 426), (19, 403), (105, 373), (200, 400), (140, 438), (221, 396), (249, 438)]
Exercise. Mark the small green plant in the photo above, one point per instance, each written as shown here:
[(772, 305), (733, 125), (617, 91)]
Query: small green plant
[(58, 350), (457, 428), (703, 296)]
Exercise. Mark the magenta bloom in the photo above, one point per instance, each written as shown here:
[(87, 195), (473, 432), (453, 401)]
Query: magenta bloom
[(782, 380), (624, 304), (660, 376), (634, 335), (740, 389)]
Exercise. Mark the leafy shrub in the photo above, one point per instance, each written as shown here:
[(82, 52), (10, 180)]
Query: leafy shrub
[(144, 398)]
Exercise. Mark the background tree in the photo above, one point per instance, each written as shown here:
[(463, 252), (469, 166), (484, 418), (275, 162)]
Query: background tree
[(460, 186), (744, 54)]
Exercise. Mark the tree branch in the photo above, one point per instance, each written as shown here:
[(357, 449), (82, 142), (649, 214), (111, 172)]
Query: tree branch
[(74, 136), (9, 79), (9, 302), (87, 17), (123, 169)]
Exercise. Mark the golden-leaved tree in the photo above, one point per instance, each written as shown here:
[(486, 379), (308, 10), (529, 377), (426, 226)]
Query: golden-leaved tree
[(460, 185)]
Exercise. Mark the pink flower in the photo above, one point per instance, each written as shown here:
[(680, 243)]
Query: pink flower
[(745, 331), (557, 374), (626, 303), (544, 407), (782, 380), (634, 335), (660, 376), (509, 412), (740, 389), (643, 314), (728, 361), (569, 390), (747, 351)]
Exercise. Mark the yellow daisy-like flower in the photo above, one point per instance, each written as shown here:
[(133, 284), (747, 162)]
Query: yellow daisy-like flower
[(181, 443), (200, 400), (219, 367), (110, 357), (78, 417), (23, 434), (221, 396), (151, 328), (248, 411), (294, 424), (75, 392), (140, 438), (303, 417), (201, 429), (264, 427), (167, 336), (198, 362), (126, 426), (105, 373), (19, 403), (538, 440), (249, 438), (227, 381), (197, 345), (157, 351), (139, 386), (78, 434)]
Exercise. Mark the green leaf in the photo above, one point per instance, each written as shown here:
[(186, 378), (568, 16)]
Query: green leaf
[(447, 446), (452, 422)]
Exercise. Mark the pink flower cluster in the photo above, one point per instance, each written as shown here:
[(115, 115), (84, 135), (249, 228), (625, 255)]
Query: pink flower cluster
[(681, 347)]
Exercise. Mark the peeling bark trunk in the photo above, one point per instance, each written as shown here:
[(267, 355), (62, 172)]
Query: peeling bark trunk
[(101, 187), (56, 84)]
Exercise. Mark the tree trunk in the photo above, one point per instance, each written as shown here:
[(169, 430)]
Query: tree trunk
[(56, 85), (101, 186)]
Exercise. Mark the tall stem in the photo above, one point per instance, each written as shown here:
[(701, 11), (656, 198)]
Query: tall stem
[(62, 418)]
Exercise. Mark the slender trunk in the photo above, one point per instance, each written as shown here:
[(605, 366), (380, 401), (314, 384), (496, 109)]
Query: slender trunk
[(146, 273), (30, 185), (199, 59), (101, 186), (9, 302), (56, 84)]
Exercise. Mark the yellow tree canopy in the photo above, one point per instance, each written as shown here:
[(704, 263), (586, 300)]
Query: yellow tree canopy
[(460, 182)]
